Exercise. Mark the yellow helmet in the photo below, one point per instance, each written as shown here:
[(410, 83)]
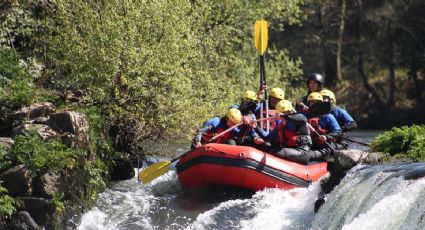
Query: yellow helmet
[(249, 95), (328, 93), (277, 93), (234, 115), (283, 106), (315, 96)]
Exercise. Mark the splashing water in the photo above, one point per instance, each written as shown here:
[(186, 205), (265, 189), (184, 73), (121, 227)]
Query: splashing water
[(163, 204), (376, 197)]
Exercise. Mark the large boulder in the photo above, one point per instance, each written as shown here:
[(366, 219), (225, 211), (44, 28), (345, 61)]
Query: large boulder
[(23, 221), (44, 131), (17, 181), (46, 185), (344, 160), (30, 112), (123, 170), (41, 210), (74, 127)]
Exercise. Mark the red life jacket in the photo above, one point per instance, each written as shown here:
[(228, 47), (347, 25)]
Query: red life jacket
[(293, 138), (315, 123), (206, 137), (281, 132)]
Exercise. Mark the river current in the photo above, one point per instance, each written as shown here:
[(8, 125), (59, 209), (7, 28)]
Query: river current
[(369, 197)]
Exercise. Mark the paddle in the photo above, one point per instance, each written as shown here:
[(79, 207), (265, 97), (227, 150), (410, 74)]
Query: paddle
[(158, 169), (261, 37), (354, 141), (150, 173), (315, 132), (314, 111)]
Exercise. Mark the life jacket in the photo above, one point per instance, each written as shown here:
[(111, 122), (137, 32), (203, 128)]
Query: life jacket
[(206, 137), (314, 122), (281, 133), (294, 131)]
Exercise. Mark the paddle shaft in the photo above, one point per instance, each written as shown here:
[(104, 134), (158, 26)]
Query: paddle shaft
[(318, 108), (231, 128), (263, 83), (315, 132), (354, 141)]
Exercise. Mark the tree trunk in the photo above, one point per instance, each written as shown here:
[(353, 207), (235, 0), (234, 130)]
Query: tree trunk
[(340, 40), (359, 63), (413, 72), (391, 66), (328, 65)]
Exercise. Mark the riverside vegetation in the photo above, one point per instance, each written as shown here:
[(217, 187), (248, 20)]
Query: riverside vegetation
[(146, 72), (140, 71)]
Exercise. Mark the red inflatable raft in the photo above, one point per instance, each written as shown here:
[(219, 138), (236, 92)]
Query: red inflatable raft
[(246, 167)]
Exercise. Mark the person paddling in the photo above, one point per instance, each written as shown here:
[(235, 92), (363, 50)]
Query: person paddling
[(290, 139), (247, 134), (345, 121), (315, 83), (276, 95), (326, 126), (217, 125), (249, 103)]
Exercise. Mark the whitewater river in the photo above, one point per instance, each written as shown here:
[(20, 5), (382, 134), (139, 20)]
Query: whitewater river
[(370, 197)]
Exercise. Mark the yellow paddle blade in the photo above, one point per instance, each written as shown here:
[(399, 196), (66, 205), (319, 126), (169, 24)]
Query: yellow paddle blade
[(261, 36), (150, 173)]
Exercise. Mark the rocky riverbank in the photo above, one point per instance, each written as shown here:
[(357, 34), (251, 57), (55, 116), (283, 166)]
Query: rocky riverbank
[(342, 162), (51, 167)]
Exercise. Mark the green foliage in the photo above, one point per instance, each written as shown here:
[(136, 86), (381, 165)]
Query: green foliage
[(16, 87), (16, 83), (5, 161), (407, 140), (7, 203), (96, 183), (40, 156), (57, 199), (188, 62)]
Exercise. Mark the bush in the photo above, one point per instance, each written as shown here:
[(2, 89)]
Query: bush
[(7, 203), (409, 141), (40, 156), (5, 162), (16, 87)]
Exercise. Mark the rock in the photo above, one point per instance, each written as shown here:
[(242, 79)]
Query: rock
[(23, 221), (74, 123), (17, 181), (6, 142), (346, 159), (47, 184), (69, 121), (45, 132), (30, 112), (40, 209), (123, 170), (40, 120)]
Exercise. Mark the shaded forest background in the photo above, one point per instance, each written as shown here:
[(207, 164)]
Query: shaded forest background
[(371, 52), (155, 70)]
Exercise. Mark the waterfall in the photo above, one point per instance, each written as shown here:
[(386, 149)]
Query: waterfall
[(376, 197)]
